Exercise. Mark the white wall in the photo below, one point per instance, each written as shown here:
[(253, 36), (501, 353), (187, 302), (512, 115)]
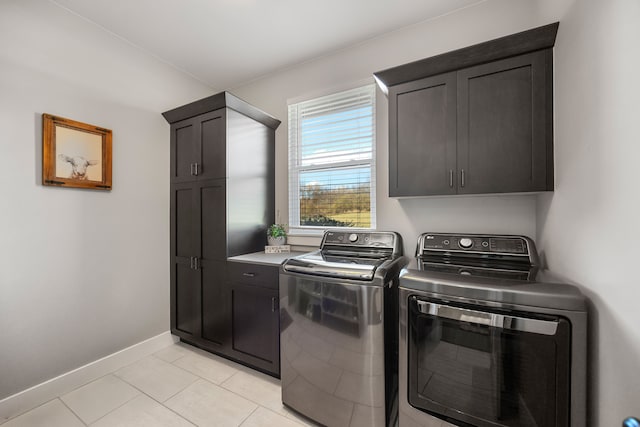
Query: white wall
[(588, 228), (83, 273), (410, 217)]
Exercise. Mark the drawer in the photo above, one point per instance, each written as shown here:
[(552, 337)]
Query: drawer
[(265, 276)]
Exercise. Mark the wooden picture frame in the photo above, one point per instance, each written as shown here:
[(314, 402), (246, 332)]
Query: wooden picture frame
[(75, 154)]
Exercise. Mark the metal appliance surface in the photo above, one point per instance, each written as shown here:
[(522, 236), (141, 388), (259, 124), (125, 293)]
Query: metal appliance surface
[(338, 329), (486, 340)]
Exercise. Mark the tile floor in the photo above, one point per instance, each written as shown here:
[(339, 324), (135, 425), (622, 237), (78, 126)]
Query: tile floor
[(177, 386)]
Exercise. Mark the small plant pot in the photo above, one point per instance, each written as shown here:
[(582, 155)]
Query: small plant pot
[(276, 241)]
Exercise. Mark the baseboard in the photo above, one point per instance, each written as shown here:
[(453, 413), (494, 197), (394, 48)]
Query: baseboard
[(32, 397)]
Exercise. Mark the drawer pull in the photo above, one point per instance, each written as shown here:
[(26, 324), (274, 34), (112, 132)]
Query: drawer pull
[(249, 274)]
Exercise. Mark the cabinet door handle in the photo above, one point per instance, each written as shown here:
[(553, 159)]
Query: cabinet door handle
[(196, 263), (191, 262), (191, 169), (249, 274), (462, 178), (273, 304), (196, 165), (451, 178)]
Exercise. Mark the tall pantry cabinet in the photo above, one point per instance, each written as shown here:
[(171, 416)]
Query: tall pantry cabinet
[(222, 201)]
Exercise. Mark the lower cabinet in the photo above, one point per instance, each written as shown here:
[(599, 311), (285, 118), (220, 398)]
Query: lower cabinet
[(255, 335), (231, 309), (255, 319), (185, 299)]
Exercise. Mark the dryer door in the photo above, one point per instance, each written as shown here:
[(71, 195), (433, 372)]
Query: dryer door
[(476, 367)]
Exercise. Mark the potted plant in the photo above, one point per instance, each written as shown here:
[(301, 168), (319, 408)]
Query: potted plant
[(276, 235)]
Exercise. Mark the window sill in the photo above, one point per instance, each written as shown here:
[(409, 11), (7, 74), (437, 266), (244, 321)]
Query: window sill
[(305, 232), (298, 240)]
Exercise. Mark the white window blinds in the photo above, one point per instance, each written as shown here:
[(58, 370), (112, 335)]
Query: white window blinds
[(332, 160)]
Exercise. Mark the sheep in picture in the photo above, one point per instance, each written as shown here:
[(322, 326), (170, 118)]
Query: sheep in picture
[(79, 166)]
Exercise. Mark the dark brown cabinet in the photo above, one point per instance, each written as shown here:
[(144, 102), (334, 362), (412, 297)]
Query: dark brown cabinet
[(255, 335), (193, 153), (474, 129), (422, 147), (215, 308), (505, 140), (222, 201), (197, 250)]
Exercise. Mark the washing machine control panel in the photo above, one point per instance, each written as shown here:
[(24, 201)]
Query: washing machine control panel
[(373, 239)]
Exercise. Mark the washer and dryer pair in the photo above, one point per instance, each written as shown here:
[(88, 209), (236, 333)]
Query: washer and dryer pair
[(470, 333)]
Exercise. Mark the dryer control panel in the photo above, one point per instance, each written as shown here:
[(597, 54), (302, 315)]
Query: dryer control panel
[(482, 245)]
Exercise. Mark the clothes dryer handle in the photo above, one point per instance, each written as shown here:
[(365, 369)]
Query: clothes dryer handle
[(495, 320)]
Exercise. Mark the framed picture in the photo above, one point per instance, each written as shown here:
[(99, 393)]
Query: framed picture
[(75, 154)]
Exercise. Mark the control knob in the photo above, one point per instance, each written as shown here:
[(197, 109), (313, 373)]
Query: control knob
[(353, 237), (465, 243)]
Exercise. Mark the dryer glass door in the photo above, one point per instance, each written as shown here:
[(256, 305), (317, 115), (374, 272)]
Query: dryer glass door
[(488, 368)]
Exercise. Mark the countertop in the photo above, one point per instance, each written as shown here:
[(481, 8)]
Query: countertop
[(266, 259)]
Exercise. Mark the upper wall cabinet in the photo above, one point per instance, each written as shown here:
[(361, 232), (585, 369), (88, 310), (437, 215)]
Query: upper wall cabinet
[(474, 121), (199, 136), (192, 158)]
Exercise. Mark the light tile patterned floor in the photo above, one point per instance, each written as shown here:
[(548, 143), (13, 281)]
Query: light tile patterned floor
[(177, 386)]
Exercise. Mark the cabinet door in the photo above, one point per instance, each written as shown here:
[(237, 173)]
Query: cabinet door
[(211, 137), (198, 148), (185, 280), (212, 252), (184, 150), (198, 213), (255, 336), (211, 220), (505, 125), (185, 297), (216, 313), (422, 137)]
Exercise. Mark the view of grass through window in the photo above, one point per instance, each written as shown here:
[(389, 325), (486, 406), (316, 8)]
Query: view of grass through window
[(336, 198)]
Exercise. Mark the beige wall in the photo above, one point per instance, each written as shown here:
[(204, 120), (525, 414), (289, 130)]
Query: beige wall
[(83, 274)]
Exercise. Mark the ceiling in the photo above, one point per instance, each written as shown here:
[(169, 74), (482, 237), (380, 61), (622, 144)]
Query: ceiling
[(226, 43)]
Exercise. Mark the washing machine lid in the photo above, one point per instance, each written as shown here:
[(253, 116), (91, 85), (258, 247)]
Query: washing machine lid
[(358, 265), (354, 255)]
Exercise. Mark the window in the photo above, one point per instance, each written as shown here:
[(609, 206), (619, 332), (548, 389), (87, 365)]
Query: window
[(332, 161)]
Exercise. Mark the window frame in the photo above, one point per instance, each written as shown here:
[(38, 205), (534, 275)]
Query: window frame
[(295, 168)]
